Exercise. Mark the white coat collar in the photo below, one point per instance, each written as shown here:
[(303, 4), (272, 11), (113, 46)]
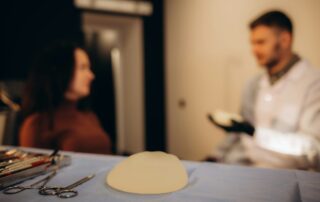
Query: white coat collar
[(294, 74)]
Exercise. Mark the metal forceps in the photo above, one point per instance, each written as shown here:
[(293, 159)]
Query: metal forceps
[(65, 192), (19, 188)]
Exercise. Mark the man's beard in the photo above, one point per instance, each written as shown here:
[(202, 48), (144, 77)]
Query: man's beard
[(276, 57)]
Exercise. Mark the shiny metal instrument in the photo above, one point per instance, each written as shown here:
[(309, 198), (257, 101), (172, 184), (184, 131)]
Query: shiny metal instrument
[(20, 188), (65, 192)]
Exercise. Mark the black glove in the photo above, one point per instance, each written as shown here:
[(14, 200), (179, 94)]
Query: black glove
[(238, 127)]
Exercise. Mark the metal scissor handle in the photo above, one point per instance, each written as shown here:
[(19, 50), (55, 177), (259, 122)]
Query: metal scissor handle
[(64, 192), (16, 189), (58, 191), (19, 188)]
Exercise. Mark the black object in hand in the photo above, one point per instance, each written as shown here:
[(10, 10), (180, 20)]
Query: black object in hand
[(238, 127)]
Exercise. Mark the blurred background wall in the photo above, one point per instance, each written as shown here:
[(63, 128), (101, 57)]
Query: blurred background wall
[(208, 60)]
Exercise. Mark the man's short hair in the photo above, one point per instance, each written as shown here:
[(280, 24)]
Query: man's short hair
[(273, 19)]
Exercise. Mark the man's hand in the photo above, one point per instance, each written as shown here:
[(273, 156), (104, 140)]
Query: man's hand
[(235, 126)]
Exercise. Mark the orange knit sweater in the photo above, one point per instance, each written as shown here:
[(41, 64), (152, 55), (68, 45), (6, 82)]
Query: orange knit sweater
[(73, 130)]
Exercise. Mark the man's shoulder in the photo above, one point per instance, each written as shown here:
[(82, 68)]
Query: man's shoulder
[(254, 80), (311, 72)]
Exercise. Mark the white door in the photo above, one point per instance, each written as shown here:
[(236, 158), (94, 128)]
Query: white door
[(122, 38)]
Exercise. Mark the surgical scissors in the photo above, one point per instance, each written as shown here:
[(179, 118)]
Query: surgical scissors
[(65, 192), (19, 188)]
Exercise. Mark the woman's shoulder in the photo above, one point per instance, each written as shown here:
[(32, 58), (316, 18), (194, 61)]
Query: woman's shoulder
[(31, 123), (29, 129), (32, 119)]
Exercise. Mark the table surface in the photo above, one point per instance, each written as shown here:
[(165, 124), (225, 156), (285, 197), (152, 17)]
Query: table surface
[(207, 182)]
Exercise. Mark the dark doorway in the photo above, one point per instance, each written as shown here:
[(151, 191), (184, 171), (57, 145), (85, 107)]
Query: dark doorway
[(102, 97)]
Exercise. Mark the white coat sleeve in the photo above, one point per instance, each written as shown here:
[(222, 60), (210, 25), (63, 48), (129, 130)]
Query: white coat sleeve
[(302, 147)]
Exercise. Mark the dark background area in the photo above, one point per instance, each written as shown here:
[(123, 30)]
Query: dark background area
[(29, 26), (155, 79)]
